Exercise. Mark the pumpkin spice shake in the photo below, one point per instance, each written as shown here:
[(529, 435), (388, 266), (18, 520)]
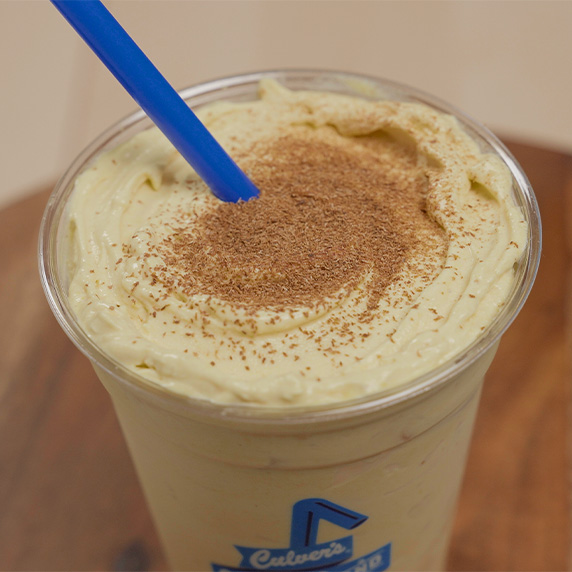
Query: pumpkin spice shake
[(307, 363), (383, 242)]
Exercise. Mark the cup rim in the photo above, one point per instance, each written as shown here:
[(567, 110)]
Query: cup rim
[(374, 88)]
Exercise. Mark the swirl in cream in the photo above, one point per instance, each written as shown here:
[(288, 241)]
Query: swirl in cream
[(383, 243)]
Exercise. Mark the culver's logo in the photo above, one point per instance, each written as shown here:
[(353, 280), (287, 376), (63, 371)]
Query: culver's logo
[(290, 559), (305, 553)]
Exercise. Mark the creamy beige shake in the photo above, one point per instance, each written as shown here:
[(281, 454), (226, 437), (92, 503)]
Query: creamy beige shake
[(297, 376), (383, 243)]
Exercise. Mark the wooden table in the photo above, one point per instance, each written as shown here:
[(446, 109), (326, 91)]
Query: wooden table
[(69, 498)]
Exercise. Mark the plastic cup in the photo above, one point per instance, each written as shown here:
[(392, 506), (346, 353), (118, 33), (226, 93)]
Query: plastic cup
[(364, 485)]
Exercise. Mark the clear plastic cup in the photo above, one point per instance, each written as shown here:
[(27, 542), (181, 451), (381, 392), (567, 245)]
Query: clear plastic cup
[(364, 485)]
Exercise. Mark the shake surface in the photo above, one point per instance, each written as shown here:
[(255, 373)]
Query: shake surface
[(382, 244)]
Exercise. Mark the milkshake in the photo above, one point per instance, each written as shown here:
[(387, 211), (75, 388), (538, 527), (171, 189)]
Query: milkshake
[(297, 376)]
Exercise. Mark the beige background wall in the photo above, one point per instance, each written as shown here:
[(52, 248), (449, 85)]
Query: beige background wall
[(506, 63)]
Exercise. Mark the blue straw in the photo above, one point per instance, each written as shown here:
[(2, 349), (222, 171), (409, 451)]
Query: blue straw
[(125, 60)]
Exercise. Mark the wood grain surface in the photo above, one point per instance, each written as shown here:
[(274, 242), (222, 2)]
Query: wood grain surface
[(69, 498)]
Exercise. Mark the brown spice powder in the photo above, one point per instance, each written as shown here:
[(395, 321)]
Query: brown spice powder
[(331, 210)]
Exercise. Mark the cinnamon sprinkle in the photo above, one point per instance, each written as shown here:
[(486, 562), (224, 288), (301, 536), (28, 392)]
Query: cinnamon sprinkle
[(330, 213)]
